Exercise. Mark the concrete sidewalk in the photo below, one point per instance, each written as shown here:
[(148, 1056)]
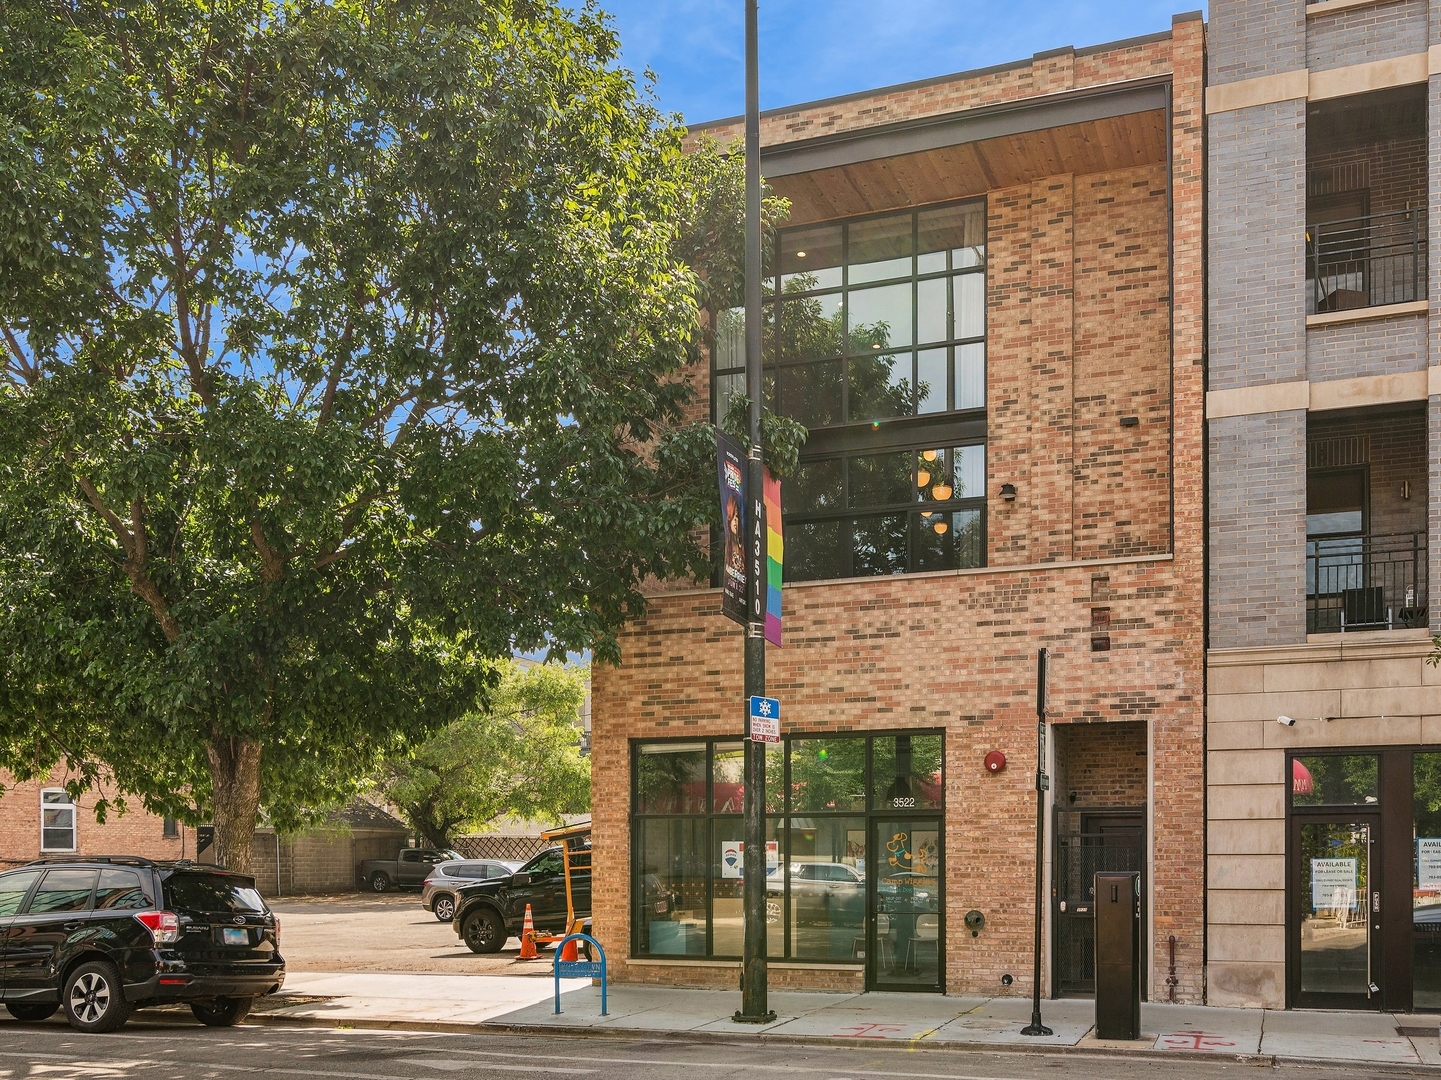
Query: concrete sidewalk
[(478, 1002)]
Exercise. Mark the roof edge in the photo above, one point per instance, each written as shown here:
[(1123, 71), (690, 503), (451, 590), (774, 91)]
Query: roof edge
[(936, 80)]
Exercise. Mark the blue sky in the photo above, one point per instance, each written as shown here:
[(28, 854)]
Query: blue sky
[(813, 49)]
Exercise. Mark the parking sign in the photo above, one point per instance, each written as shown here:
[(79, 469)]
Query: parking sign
[(765, 720)]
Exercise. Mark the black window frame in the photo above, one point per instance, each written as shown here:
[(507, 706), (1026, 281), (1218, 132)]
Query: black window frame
[(849, 438), (870, 811)]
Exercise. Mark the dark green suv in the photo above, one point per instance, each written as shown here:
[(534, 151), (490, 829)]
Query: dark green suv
[(103, 936)]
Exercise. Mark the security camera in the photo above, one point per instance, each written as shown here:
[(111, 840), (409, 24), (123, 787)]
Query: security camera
[(1286, 721)]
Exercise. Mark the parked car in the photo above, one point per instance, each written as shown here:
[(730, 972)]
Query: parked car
[(437, 893), (828, 893), (101, 937), (409, 868), (489, 912)]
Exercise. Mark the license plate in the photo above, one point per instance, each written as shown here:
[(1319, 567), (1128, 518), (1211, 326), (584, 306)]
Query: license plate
[(236, 935)]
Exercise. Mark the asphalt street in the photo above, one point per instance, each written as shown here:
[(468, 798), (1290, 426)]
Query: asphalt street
[(163, 1047)]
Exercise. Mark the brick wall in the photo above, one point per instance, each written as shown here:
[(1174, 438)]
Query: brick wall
[(1258, 529), (1102, 765), (956, 650), (1251, 38), (1377, 32), (1256, 282), (135, 832), (1355, 350)]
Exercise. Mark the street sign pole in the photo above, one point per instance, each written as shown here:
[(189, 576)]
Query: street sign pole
[(1035, 1027), (754, 1008)]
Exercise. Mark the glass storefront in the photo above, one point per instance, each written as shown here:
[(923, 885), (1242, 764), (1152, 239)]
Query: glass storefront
[(853, 854), (1364, 879)]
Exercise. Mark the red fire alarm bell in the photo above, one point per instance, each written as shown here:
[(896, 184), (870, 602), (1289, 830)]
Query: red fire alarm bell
[(995, 761)]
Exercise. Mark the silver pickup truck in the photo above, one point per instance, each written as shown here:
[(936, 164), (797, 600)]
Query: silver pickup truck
[(408, 869)]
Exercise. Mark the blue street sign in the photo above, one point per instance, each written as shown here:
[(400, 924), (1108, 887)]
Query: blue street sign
[(765, 720)]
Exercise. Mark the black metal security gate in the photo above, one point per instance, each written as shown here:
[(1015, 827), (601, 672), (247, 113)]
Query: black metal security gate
[(1106, 844)]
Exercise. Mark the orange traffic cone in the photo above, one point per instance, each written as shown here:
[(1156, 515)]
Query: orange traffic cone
[(527, 937), (568, 953)]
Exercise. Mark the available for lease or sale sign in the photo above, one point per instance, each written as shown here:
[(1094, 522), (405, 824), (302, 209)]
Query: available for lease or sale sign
[(1333, 884)]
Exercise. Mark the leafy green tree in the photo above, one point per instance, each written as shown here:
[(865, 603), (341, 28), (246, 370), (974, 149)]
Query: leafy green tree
[(519, 757), (342, 348)]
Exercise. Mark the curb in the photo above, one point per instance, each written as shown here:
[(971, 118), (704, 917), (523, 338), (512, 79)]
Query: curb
[(618, 1034), (777, 1039)]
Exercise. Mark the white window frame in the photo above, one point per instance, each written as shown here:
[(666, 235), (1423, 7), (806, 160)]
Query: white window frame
[(56, 804)]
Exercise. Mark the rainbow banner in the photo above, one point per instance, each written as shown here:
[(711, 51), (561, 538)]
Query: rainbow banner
[(775, 558)]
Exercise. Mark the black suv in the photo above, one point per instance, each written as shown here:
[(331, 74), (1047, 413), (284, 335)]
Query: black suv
[(104, 936), (489, 912)]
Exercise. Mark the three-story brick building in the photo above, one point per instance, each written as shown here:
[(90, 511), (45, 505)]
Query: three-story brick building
[(987, 309)]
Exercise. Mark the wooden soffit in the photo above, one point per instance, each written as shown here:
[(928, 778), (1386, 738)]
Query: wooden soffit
[(968, 154)]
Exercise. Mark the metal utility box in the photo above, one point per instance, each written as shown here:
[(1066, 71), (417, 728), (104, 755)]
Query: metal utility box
[(1118, 956)]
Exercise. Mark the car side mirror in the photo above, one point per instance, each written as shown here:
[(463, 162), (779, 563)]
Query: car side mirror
[(520, 879)]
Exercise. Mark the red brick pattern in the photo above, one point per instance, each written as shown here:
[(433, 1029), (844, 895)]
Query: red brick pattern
[(135, 832)]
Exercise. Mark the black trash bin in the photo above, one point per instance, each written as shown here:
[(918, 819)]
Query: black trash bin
[(1118, 956)]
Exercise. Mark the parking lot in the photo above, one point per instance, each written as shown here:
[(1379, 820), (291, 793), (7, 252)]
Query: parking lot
[(390, 932)]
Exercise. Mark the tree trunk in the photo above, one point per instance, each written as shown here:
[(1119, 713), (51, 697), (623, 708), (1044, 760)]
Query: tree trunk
[(235, 793)]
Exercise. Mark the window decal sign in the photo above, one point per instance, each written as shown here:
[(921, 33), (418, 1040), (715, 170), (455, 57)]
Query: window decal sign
[(733, 859), (1428, 862), (1333, 884), (732, 470)]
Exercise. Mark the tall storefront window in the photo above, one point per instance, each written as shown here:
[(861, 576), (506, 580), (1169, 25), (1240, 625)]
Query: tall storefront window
[(826, 897)]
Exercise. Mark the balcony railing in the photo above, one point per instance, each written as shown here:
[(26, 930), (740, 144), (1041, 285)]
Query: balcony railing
[(1366, 261), (1365, 583)]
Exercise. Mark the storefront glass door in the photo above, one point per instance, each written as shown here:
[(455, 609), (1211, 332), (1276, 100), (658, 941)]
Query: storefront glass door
[(1335, 887), (907, 928)]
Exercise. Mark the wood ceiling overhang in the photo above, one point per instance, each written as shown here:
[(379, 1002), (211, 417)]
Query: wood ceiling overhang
[(964, 154)]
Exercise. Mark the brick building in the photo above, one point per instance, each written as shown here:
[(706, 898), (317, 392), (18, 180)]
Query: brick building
[(37, 818), (1323, 429), (989, 315)]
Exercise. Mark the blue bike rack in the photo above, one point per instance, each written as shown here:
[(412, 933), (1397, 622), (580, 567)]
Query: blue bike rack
[(579, 969)]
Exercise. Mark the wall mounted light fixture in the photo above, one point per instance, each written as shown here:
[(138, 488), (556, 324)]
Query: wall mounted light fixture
[(1008, 492)]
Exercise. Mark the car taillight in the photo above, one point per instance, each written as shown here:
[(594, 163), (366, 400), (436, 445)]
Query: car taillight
[(164, 926), (276, 919)]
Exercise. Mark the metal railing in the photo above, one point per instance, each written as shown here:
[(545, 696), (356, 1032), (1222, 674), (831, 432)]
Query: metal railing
[(1365, 583), (1366, 261)]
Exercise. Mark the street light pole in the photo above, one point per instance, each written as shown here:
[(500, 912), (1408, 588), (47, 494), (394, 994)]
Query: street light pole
[(1035, 1027), (754, 1008)]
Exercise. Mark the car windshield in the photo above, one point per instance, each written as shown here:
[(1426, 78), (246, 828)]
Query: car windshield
[(544, 864), (212, 892)]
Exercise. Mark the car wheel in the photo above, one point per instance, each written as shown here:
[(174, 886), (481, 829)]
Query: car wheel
[(31, 1014), (222, 1012), (444, 908), (773, 911), (93, 998), (379, 881), (484, 932)]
